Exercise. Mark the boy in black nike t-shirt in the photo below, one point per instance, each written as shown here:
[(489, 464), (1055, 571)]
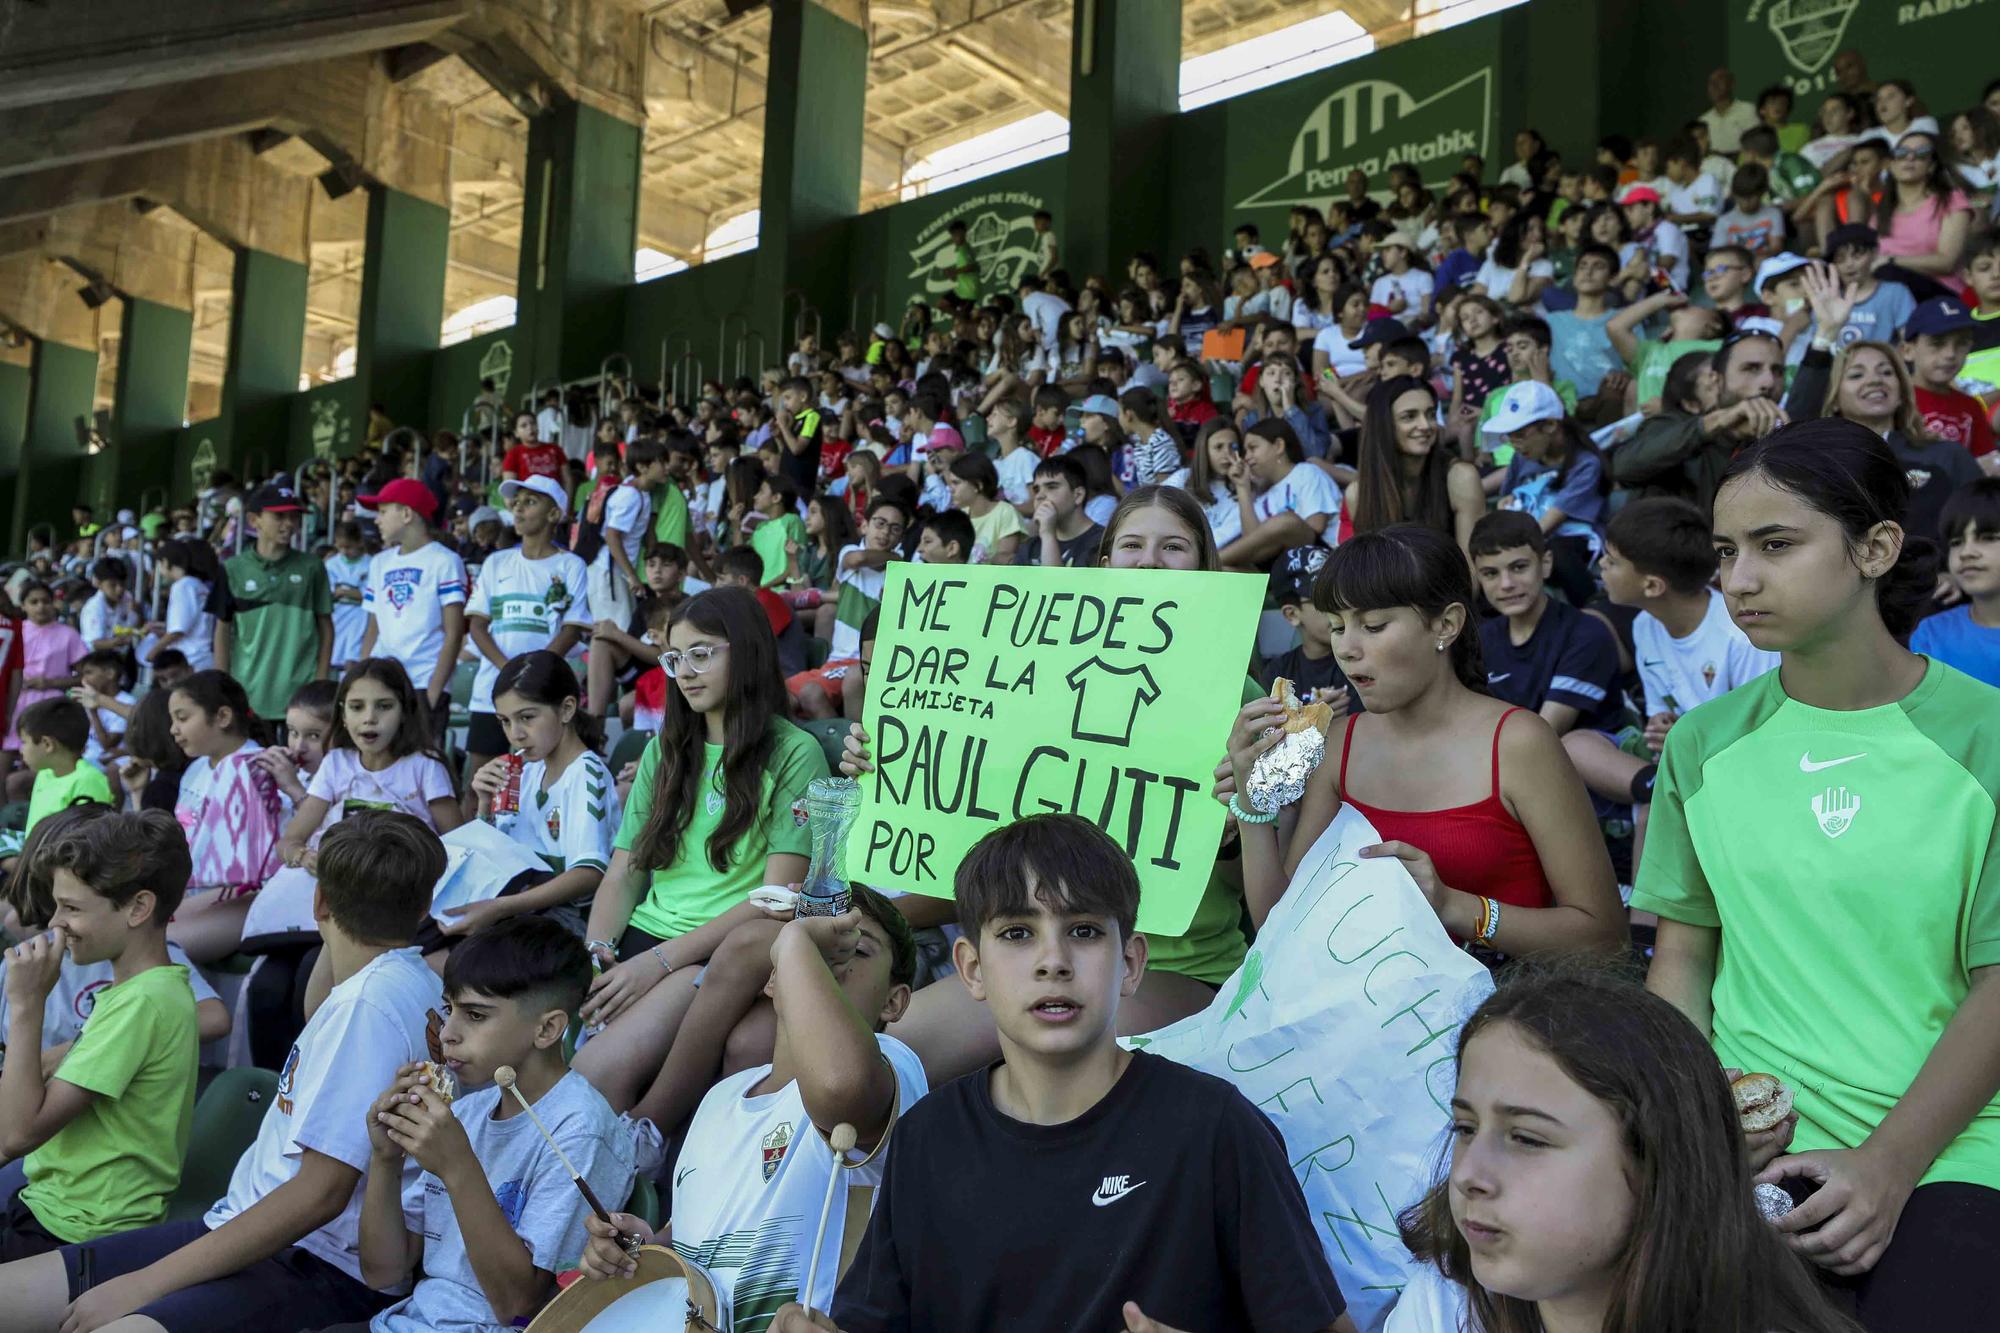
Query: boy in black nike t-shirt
[(1075, 1184)]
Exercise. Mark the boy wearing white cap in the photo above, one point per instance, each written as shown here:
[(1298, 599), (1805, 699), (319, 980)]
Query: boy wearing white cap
[(527, 597)]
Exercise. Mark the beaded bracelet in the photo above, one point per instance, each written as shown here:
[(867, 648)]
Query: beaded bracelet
[(662, 960), (1247, 816)]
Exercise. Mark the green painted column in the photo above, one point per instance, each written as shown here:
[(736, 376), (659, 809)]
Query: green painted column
[(1124, 92), (15, 385), (267, 334), (813, 116), (62, 387), (149, 404), (579, 227), (402, 308)]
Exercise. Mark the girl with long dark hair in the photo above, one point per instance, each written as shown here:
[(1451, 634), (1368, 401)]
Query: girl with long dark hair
[(1821, 855), (709, 819), (1477, 799), (1406, 473)]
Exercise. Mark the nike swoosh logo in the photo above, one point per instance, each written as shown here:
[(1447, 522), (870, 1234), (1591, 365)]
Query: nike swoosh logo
[(1492, 679), (1806, 764), (1101, 1198)]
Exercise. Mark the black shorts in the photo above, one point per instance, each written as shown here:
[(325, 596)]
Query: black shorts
[(22, 1234), (484, 735)]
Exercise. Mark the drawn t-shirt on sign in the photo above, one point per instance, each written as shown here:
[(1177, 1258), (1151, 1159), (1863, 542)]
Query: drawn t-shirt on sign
[(1108, 700)]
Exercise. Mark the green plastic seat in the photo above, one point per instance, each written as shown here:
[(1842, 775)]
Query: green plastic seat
[(14, 815), (627, 751), (817, 651), (225, 1125), (645, 1202), (831, 733), (462, 677), (973, 430)]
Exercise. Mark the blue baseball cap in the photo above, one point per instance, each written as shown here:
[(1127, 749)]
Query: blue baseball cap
[(1938, 316)]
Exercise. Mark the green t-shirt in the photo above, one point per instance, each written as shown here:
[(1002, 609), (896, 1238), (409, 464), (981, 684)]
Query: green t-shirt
[(768, 540), (965, 284), (86, 782), (670, 515), (112, 1168), (1655, 359), (274, 626), (691, 892), (1846, 943), (1792, 178), (1214, 943), (1981, 376)]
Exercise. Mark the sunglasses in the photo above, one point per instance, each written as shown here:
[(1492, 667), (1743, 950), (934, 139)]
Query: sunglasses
[(1914, 152)]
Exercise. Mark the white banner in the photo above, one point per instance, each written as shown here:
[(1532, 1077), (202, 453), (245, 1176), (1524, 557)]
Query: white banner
[(1341, 1026)]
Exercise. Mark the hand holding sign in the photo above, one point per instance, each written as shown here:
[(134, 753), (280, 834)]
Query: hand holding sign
[(1001, 692)]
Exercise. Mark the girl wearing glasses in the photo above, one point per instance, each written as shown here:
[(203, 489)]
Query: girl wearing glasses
[(709, 819)]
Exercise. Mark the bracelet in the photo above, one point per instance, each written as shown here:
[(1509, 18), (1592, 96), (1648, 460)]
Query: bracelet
[(663, 960), (594, 945), (1489, 918), (1249, 817)]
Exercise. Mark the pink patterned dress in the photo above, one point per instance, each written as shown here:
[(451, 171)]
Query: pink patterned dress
[(233, 815)]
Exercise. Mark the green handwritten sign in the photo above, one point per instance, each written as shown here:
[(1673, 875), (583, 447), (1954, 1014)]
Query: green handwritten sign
[(997, 693)]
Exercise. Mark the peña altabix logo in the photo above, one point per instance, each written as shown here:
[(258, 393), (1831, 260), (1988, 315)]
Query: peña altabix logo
[(1371, 125), (1000, 232)]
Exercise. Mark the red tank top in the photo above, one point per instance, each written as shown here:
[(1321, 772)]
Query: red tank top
[(1479, 849)]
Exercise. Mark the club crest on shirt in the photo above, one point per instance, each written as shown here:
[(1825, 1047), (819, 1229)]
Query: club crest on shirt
[(400, 585), (512, 1198), (1835, 809), (286, 1078), (716, 800), (1708, 673), (775, 1144), (555, 826)]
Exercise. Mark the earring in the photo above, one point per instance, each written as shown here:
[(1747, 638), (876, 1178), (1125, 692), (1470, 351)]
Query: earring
[(1440, 645)]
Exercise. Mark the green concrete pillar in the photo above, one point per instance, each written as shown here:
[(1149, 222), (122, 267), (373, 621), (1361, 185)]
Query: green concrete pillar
[(1124, 92), (62, 388), (15, 384), (402, 309), (814, 107), (579, 227), (267, 334), (149, 404)]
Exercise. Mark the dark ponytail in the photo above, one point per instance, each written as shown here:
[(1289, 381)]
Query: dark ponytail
[(1406, 564), (548, 679), (1846, 472)]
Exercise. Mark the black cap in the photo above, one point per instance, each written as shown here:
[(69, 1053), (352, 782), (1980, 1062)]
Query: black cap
[(275, 498), (1384, 330)]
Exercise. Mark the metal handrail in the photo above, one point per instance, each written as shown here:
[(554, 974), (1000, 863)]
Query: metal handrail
[(763, 351), (854, 320), (611, 391), (722, 343), (468, 429), (798, 321)]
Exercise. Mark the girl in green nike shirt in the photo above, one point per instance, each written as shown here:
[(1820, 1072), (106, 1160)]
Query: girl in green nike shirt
[(1822, 857), (709, 820)]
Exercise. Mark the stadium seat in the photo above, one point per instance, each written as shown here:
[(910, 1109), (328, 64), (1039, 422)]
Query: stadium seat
[(831, 733), (225, 1125), (628, 749), (645, 1202)]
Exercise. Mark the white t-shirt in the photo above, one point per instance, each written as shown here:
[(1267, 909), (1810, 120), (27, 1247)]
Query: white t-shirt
[(195, 626), (1725, 128), (114, 727), (371, 1025), (629, 510), (1305, 491), (531, 1187), (1415, 285), (751, 1180), (350, 619), (410, 785), (549, 425), (1046, 310), (1681, 673), (100, 620), (1700, 195), (1225, 517), (526, 604), (1498, 279), (1340, 358), (407, 595), (1669, 247), (868, 584), (75, 994), (570, 824), (1430, 1303), (1016, 471)]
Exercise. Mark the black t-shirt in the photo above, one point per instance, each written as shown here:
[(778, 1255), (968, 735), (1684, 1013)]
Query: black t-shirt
[(1078, 552), (1173, 1191), (1310, 673), (1935, 469), (1569, 659), (801, 468)]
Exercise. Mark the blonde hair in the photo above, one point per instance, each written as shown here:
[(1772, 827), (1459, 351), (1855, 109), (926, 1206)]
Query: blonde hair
[(1906, 419)]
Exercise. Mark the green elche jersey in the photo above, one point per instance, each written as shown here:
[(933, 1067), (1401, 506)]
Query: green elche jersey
[(1849, 861)]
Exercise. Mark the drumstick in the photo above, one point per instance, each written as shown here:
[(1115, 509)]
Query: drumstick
[(841, 1140), (505, 1077)]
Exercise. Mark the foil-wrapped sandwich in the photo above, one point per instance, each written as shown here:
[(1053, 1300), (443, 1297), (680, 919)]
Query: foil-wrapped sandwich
[(442, 1081), (1278, 778)]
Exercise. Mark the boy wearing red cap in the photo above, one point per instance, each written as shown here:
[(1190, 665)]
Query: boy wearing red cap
[(415, 595)]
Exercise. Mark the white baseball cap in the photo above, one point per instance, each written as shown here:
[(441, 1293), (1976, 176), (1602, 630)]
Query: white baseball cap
[(1525, 404), (543, 486), (1777, 266)]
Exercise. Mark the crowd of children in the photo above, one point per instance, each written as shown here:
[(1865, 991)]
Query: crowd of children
[(1640, 519)]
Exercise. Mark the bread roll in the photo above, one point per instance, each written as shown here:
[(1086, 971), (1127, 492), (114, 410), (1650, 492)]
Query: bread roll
[(1762, 1101)]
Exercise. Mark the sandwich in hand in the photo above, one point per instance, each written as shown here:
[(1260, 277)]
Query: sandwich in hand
[(1278, 778), (1762, 1101)]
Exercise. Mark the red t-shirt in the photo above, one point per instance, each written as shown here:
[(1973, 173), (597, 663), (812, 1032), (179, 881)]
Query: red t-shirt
[(1194, 412), (10, 654), (1048, 443), (775, 610), (533, 460), (1951, 415)]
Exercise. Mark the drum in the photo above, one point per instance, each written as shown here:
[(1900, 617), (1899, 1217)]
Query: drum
[(668, 1292)]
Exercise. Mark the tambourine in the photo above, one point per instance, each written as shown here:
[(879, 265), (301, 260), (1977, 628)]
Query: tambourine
[(666, 1288)]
